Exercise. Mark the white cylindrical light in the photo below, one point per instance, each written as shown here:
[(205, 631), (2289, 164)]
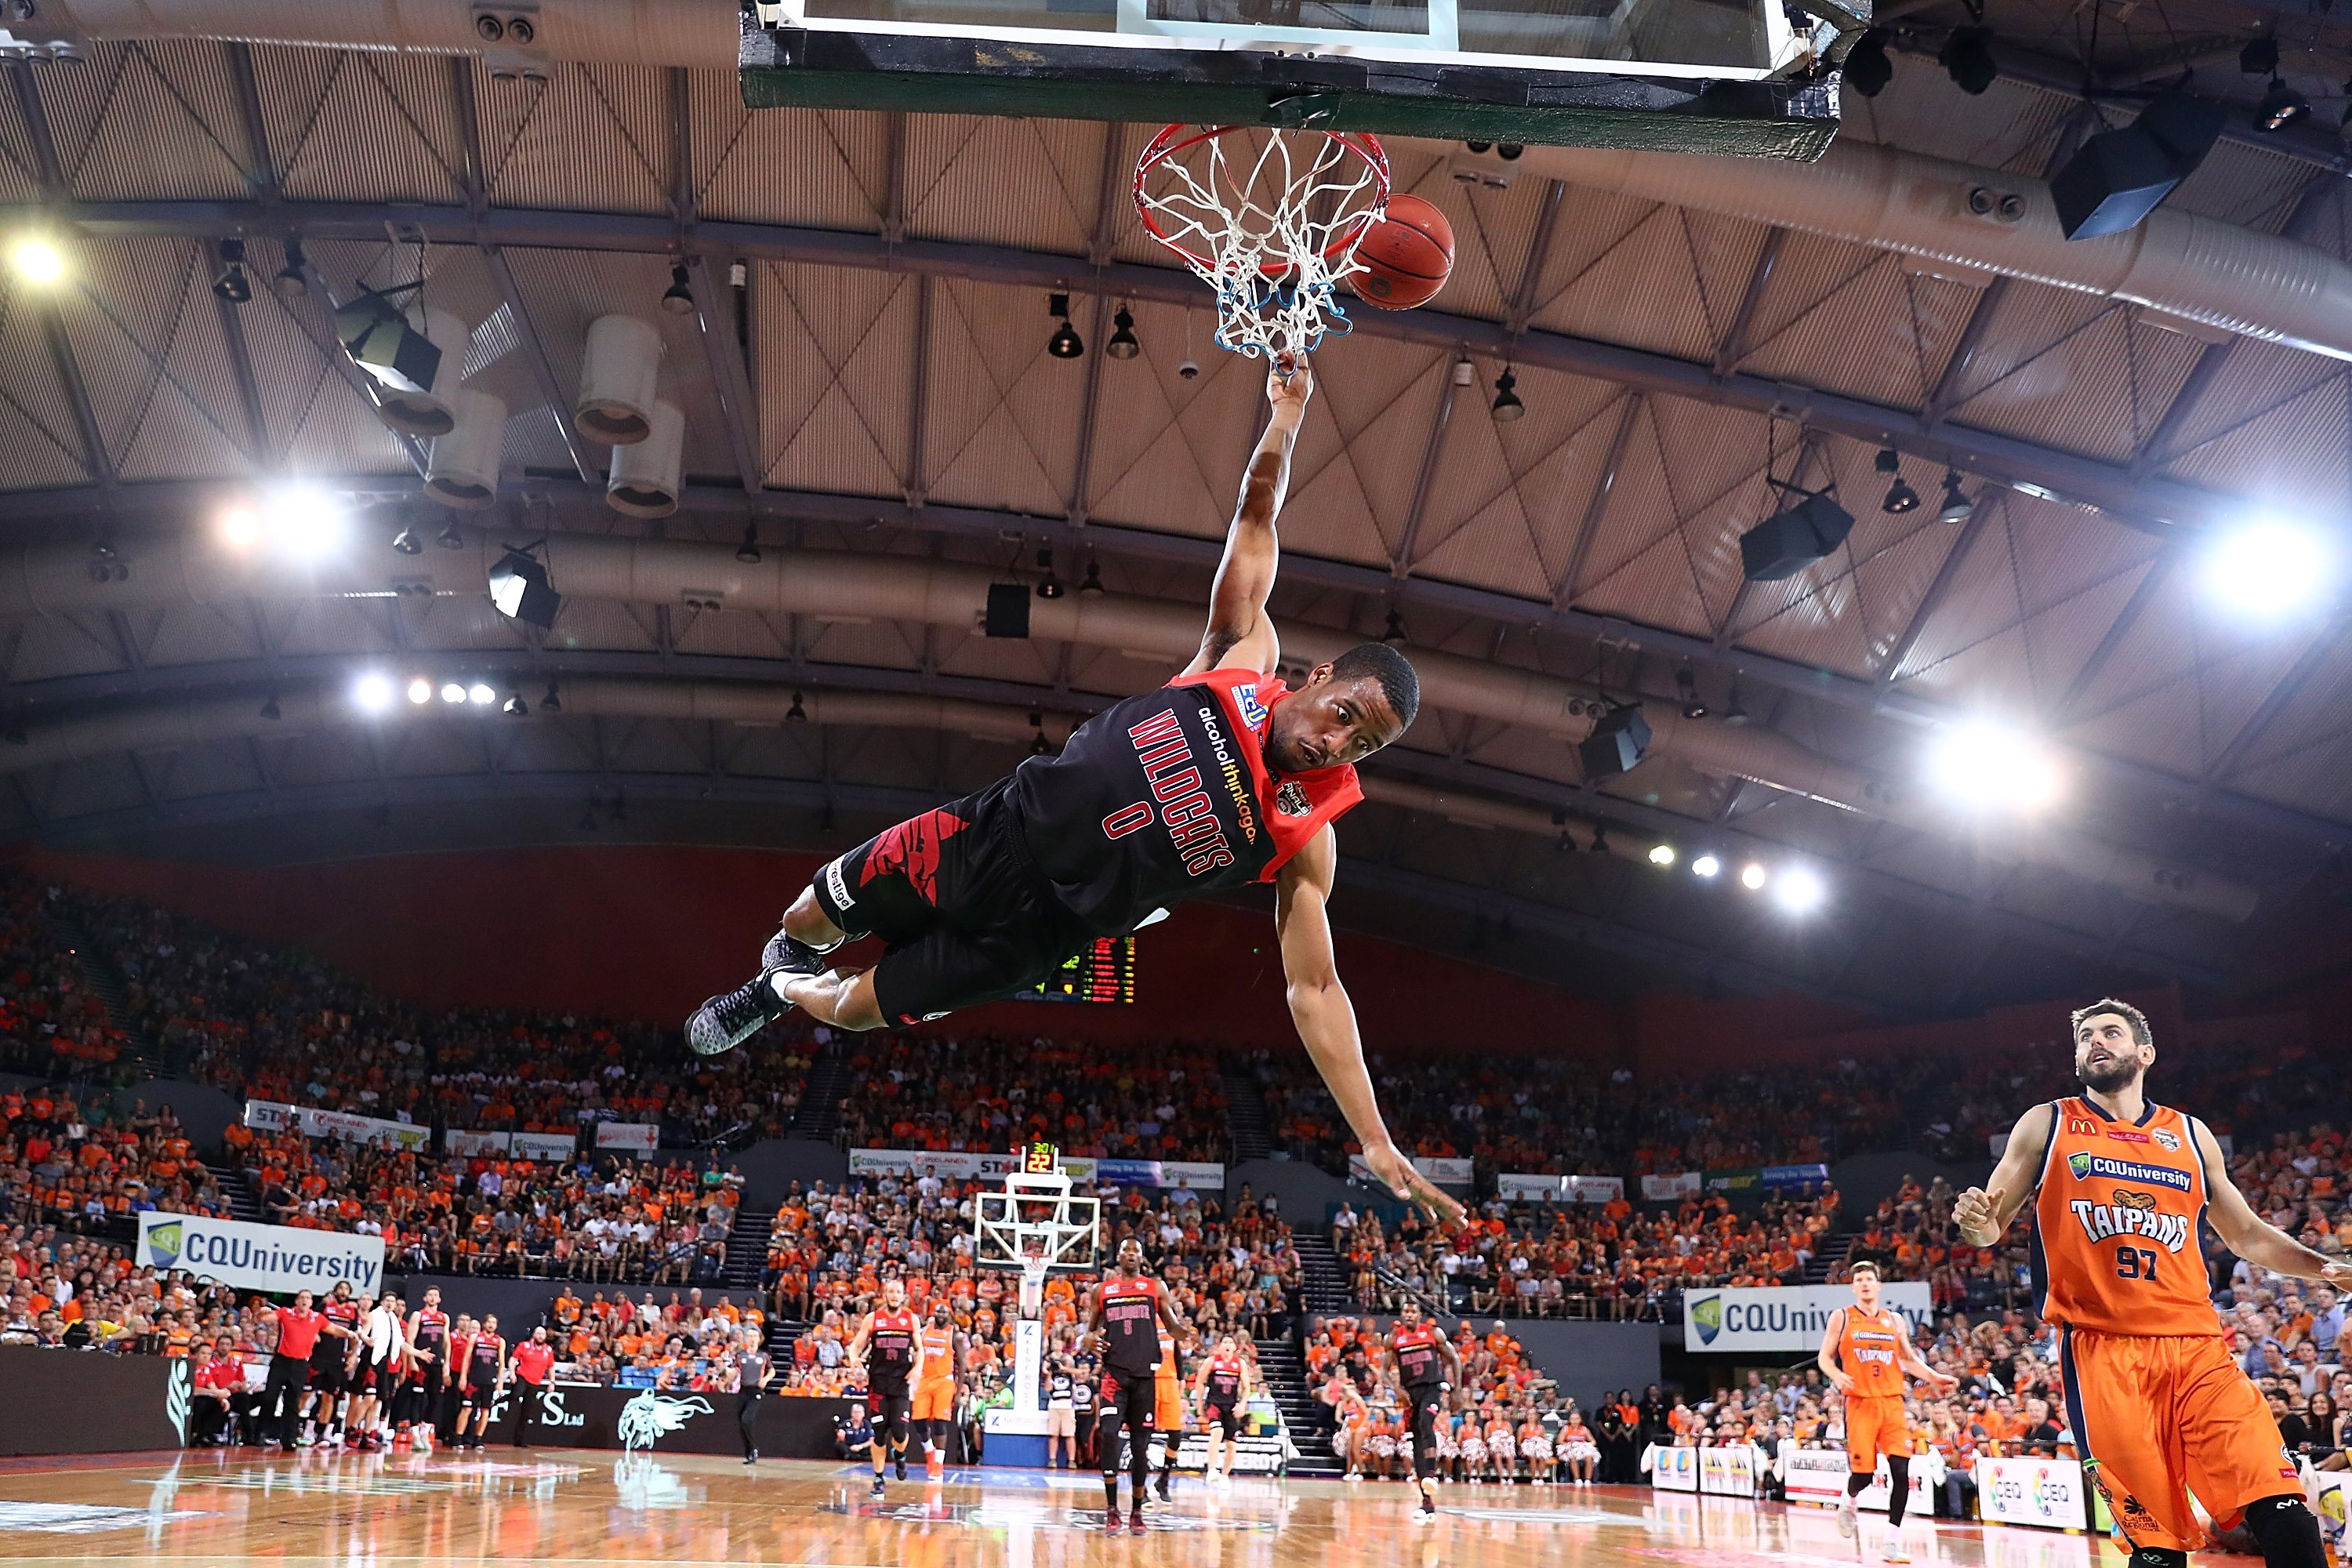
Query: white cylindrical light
[(645, 480), (616, 381), (464, 469), (432, 412)]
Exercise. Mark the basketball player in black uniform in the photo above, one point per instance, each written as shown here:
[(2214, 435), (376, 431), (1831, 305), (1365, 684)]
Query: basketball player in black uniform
[(330, 1358), (1123, 1317), (888, 1343), (1427, 1366), (1221, 778), (430, 1381)]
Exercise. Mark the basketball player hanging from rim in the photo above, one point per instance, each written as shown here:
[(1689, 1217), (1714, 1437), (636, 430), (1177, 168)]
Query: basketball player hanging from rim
[(1865, 1349), (1124, 1314), (1221, 778), (2121, 1187)]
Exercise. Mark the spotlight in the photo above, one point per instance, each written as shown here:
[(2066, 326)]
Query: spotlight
[(1190, 369), (230, 283), (451, 536), (420, 690), (1093, 584), (2117, 177), (239, 527), (1065, 343), (2268, 569), (1687, 687), (372, 693), (1987, 764), (679, 298), (39, 262), (407, 543), (2260, 58), (1600, 839), (380, 341), (1794, 538), (1900, 496), (481, 694), (1753, 875), (516, 708), (1048, 586), (1867, 68), (1799, 891), (453, 692), (2280, 107), (1565, 845), (291, 282), (1122, 344), (1619, 741), (1661, 854), (519, 587), (1966, 56), (1734, 711), (796, 714), (748, 552), (1507, 406), (271, 712), (1039, 746), (1705, 866), (300, 519), (554, 702), (1956, 506), (1394, 633)]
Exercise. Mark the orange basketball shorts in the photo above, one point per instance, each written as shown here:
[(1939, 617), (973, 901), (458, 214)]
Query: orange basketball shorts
[(935, 1400), (2158, 1416), (1167, 1405), (1873, 1426)]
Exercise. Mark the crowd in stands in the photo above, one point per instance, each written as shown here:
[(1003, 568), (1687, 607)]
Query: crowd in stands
[(61, 1165), (1134, 1102), (52, 1025)]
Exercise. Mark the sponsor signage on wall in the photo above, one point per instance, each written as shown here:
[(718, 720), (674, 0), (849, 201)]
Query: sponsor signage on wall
[(1674, 1470), (964, 1165), (645, 1137), (1660, 1189), (1561, 1189), (1445, 1173), (277, 1258), (2047, 1492), (1817, 1475), (1727, 1472), (1787, 1319), (311, 1121)]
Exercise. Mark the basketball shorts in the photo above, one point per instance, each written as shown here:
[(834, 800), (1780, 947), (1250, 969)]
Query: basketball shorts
[(935, 1400), (963, 913), (480, 1397), (891, 1410), (1167, 1405), (1222, 1419), (327, 1376), (2156, 1417), (1874, 1428)]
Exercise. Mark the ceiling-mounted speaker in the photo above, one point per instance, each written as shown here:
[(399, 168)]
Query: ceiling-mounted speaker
[(645, 480), (618, 375), (463, 470), (1791, 540), (2119, 177), (1619, 738)]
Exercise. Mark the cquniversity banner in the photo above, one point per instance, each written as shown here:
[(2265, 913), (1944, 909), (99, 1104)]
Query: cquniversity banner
[(279, 1258), (1790, 1318)]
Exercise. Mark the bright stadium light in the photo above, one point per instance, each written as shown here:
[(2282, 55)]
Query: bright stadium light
[(1705, 866), (2268, 569), (239, 528), (1661, 854), (420, 690), (1753, 875), (373, 693), (455, 692), (38, 261), (300, 519), (1990, 765), (481, 694), (1799, 889)]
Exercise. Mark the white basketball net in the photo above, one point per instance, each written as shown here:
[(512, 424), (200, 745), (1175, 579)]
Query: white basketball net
[(1270, 219), (1036, 1259)]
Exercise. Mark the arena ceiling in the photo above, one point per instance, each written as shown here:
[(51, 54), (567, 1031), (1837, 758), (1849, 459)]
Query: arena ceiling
[(879, 387)]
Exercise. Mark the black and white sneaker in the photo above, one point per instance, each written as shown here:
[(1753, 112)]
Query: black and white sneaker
[(726, 1021), (877, 1494), (790, 953)]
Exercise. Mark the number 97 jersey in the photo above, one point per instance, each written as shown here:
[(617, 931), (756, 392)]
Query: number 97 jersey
[(2118, 1217)]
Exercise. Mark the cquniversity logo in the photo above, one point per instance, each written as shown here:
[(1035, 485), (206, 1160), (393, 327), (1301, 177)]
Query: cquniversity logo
[(1707, 1313), (164, 1246)]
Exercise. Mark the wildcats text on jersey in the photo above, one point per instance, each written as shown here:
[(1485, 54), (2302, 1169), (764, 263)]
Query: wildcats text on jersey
[(2132, 1214), (1184, 806)]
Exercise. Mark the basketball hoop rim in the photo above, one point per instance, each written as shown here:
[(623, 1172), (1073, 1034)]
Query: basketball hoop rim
[(1176, 139)]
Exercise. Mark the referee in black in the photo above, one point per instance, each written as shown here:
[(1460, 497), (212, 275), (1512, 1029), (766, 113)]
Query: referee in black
[(753, 1370)]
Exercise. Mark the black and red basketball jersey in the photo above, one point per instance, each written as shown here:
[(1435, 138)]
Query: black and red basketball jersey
[(1130, 1325), (1419, 1360), (1166, 797), (890, 1342), (1224, 1381), (343, 1314)]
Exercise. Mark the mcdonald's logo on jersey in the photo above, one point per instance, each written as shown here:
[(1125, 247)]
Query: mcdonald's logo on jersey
[(2083, 1125)]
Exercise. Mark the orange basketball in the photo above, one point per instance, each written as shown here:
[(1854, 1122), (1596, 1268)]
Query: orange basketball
[(1405, 257)]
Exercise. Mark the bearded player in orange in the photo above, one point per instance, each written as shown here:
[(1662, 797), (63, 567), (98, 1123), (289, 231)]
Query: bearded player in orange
[(1865, 1349), (2120, 1187)]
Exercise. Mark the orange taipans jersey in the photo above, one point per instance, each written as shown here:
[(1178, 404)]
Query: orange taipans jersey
[(1868, 1347), (2117, 1221)]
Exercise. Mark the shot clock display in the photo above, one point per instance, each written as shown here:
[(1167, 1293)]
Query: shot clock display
[(1102, 972)]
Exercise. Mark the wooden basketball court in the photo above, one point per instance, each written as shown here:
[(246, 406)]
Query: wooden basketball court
[(564, 1507)]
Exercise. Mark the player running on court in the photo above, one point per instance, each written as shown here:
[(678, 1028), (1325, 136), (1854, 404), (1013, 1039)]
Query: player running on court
[(1223, 1387), (1426, 1367), (1168, 1412), (1124, 1316), (1865, 1349), (939, 1384), (2120, 1187), (887, 1345), (1221, 778)]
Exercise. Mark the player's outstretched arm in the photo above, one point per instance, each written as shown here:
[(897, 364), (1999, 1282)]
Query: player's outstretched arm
[(1983, 1213), (1326, 1019), (2248, 1233), (1239, 635)]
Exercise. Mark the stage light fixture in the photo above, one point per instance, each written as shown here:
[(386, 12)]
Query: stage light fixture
[(516, 708), (1507, 406), (230, 283), (376, 334), (2268, 569), (2280, 107), (1705, 866), (1956, 506), (300, 519), (38, 261), (1799, 889), (1661, 854), (2260, 58), (1048, 586), (1619, 738), (406, 542), (1992, 766), (1600, 839), (372, 693), (451, 536), (1093, 586), (678, 300), (291, 281), (554, 702), (519, 588), (1967, 57), (453, 692), (270, 711), (481, 694), (1900, 496), (420, 690), (240, 527), (1123, 343), (2119, 177), (1687, 687), (1039, 746), (1753, 875), (796, 714), (1734, 711), (1867, 68), (1065, 343), (748, 552)]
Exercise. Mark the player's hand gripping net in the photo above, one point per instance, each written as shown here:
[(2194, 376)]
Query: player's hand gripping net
[(1270, 219)]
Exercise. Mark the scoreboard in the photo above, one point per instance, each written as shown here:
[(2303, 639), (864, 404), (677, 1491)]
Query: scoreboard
[(1104, 971)]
